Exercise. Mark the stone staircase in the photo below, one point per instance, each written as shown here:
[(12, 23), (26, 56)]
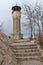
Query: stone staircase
[(26, 51)]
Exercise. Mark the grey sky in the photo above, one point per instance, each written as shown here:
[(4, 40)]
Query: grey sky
[(5, 12)]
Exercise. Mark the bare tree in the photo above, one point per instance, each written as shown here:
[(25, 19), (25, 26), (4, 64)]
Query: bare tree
[(34, 16), (37, 10), (37, 18), (29, 13)]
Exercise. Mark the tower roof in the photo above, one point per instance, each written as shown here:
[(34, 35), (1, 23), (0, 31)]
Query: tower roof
[(16, 8)]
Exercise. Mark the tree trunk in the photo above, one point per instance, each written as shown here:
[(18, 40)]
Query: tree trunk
[(31, 28)]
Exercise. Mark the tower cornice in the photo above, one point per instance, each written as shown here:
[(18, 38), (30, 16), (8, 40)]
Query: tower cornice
[(16, 8)]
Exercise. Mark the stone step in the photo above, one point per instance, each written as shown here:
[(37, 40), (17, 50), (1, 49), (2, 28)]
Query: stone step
[(22, 51), (25, 54), (28, 57), (31, 58), (24, 45), (26, 51)]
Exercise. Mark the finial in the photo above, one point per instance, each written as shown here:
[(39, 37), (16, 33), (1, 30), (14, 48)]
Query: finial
[(16, 4)]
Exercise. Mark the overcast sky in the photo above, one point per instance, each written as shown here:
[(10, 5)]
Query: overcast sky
[(6, 15)]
